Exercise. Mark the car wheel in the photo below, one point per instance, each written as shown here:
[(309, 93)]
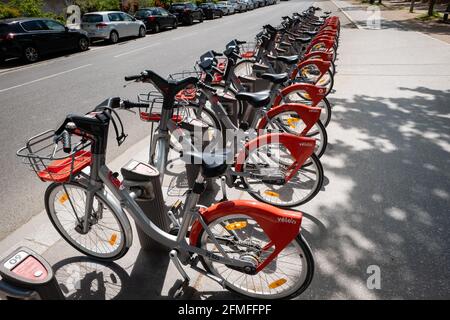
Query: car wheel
[(201, 18), (83, 44), (156, 28), (189, 20), (30, 54), (142, 32), (175, 24), (114, 37)]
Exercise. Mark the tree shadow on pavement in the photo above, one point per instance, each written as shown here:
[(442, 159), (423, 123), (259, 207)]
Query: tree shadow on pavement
[(394, 198)]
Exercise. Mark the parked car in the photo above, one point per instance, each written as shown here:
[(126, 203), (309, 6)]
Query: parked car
[(260, 3), (186, 12), (156, 18), (249, 4), (227, 8), (31, 38), (211, 10), (112, 25), (239, 5)]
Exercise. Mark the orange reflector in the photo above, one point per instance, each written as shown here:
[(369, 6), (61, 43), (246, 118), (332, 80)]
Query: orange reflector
[(272, 193), (292, 122), (236, 225), (277, 283), (63, 198), (307, 96), (113, 239)]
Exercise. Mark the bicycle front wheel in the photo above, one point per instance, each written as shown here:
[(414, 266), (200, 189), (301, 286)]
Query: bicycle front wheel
[(287, 276), (106, 237)]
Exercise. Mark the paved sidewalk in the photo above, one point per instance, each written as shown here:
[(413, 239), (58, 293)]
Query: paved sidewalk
[(385, 200)]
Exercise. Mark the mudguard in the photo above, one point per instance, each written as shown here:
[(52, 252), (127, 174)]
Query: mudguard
[(281, 226), (309, 115), (300, 148), (326, 56), (323, 66), (315, 93)]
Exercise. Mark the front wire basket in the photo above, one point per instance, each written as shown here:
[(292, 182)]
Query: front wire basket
[(248, 49), (48, 160)]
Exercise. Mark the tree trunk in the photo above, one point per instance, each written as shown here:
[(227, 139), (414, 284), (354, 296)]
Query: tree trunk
[(431, 7), (411, 7)]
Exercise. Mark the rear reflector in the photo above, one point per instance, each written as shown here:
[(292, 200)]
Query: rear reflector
[(101, 25)]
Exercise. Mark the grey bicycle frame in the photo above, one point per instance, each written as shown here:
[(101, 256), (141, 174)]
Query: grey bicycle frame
[(100, 176)]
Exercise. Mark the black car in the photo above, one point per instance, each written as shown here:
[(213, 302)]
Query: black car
[(211, 10), (186, 12), (31, 38), (156, 18)]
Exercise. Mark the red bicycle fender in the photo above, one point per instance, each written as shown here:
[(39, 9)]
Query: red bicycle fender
[(323, 66), (326, 56), (309, 115), (301, 148), (281, 226), (315, 93)]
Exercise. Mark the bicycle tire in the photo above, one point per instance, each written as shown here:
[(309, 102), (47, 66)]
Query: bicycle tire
[(308, 257), (123, 248), (314, 160)]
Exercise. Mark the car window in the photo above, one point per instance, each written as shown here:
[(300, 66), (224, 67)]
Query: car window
[(54, 26), (34, 25), (126, 17), (114, 17), (163, 12), (92, 18)]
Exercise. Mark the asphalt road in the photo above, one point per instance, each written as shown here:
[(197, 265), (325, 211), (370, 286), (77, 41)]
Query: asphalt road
[(37, 97)]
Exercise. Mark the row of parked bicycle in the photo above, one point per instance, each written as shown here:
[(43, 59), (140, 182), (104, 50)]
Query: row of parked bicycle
[(33, 38), (254, 248)]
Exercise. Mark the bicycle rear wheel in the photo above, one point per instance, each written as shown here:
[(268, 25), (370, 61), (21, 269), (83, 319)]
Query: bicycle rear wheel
[(65, 206), (274, 160), (287, 276)]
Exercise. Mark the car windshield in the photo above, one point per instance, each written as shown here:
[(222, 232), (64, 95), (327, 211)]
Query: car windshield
[(92, 18), (178, 6)]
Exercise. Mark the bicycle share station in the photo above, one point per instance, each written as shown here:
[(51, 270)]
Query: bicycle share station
[(242, 245)]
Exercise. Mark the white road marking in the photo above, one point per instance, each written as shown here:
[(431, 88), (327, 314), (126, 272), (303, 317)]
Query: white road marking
[(51, 61), (45, 78), (136, 50), (185, 36)]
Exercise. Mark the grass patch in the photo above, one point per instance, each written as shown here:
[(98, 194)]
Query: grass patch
[(426, 17)]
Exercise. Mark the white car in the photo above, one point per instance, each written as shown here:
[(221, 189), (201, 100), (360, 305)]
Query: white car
[(226, 7), (112, 25)]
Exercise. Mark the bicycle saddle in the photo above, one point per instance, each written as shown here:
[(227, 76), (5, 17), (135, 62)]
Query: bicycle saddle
[(169, 87), (276, 78), (303, 39), (213, 164), (311, 33), (288, 59), (256, 99)]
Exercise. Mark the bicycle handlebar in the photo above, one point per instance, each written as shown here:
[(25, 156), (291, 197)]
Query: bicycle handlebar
[(65, 137), (132, 78), (126, 104)]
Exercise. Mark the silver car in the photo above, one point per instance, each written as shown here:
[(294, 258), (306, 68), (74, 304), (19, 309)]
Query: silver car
[(226, 7), (112, 25)]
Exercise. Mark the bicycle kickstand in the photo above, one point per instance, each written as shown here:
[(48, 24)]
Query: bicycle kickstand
[(183, 285)]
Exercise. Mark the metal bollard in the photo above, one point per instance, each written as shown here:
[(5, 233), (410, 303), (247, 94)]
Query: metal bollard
[(27, 276), (146, 177)]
